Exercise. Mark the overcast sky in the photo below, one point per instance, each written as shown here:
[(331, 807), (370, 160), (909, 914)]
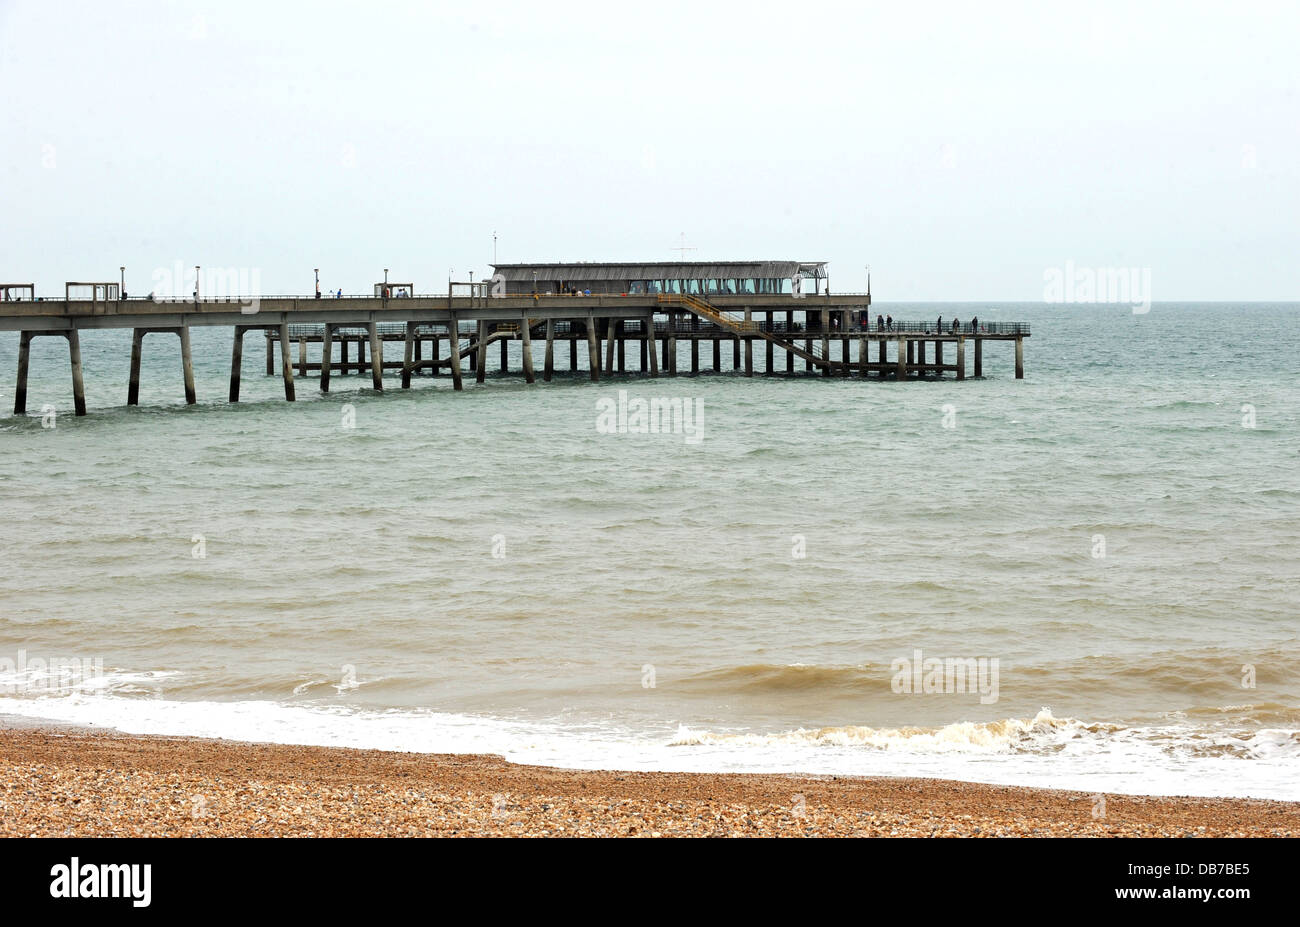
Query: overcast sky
[(959, 150)]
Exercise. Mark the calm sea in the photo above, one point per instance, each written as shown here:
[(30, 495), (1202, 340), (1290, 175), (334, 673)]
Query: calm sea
[(1110, 547)]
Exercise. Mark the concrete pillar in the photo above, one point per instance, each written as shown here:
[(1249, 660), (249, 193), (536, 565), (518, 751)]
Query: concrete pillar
[(548, 363), (735, 352), (187, 366), (408, 354), (343, 355), (979, 357), (911, 352), (844, 354), (920, 357), (611, 328), (453, 348), (573, 353), (505, 355), (863, 355), (236, 362), (24, 362), (326, 357), (749, 347), (883, 355), (593, 349), (78, 387), (1020, 358), (651, 351), (771, 350), (526, 350), (270, 366), (717, 355), (302, 355), (808, 349), (938, 357), (789, 327), (961, 357), (137, 350), (480, 363), (695, 355), (645, 360), (376, 358), (671, 366), (902, 359), (286, 363), (826, 343)]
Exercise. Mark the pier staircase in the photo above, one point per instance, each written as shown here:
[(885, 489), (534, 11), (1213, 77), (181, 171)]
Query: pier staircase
[(736, 323)]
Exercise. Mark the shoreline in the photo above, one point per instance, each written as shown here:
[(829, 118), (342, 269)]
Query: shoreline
[(64, 780)]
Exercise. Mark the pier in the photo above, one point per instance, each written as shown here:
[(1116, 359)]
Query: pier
[(722, 316)]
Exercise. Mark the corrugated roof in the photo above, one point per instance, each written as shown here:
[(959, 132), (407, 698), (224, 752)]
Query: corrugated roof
[(658, 270)]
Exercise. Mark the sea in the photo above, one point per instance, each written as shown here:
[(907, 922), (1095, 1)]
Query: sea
[(1086, 579)]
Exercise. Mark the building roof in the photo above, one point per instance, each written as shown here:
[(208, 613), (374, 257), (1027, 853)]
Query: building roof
[(660, 270)]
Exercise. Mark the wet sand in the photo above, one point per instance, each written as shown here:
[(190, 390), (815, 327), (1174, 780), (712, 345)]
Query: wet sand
[(74, 782)]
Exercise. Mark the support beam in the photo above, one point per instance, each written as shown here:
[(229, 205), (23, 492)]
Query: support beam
[(789, 329), (187, 366), (651, 349), (548, 364), (611, 326), (749, 347), (376, 358), (453, 338), (24, 362), (826, 344), (286, 363), (717, 355), (573, 352), (863, 356), (671, 345), (270, 364), (505, 355), (961, 357), (771, 350), (326, 357), (137, 352), (695, 354), (902, 359), (526, 350), (480, 368), (1020, 358), (408, 355), (938, 357), (979, 357), (302, 356), (593, 349), (920, 357), (78, 387), (735, 352), (236, 362)]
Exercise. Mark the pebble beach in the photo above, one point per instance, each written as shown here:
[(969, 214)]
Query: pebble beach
[(70, 782)]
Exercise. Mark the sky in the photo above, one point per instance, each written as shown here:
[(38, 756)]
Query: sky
[(960, 151)]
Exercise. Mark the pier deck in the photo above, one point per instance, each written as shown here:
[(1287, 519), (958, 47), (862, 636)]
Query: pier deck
[(823, 332)]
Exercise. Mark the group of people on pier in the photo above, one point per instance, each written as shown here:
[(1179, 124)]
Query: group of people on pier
[(885, 323)]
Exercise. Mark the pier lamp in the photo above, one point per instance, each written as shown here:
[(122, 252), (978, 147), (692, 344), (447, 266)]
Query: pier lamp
[(317, 282), (196, 283), (121, 286)]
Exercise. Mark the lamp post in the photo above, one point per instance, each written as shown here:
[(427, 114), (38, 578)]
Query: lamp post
[(196, 283), (494, 248), (121, 286), (318, 283)]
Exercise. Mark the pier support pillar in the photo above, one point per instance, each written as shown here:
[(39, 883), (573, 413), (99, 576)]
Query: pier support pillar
[(235, 363), (902, 359), (1020, 358), (526, 350), (961, 357), (326, 357), (671, 345), (884, 353), (573, 352), (651, 351), (453, 345), (408, 355), (645, 359), (302, 356), (771, 355), (376, 358), (78, 387), (187, 366), (695, 355), (979, 357), (826, 343), (863, 356), (480, 362), (548, 363), (24, 362), (735, 352), (593, 349), (505, 355), (920, 357), (137, 351), (286, 362), (938, 358), (749, 347), (611, 330), (789, 328), (270, 360), (911, 352)]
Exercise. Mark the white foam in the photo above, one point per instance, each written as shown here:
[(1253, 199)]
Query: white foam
[(1043, 751)]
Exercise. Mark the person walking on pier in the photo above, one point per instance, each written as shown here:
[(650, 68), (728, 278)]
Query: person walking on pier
[(880, 323), (974, 324), (889, 323), (956, 324)]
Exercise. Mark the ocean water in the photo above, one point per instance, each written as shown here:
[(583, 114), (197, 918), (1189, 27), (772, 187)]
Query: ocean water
[(489, 571)]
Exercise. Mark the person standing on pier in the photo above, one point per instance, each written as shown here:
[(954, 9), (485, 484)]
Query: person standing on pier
[(889, 323), (938, 326), (880, 323), (974, 324)]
